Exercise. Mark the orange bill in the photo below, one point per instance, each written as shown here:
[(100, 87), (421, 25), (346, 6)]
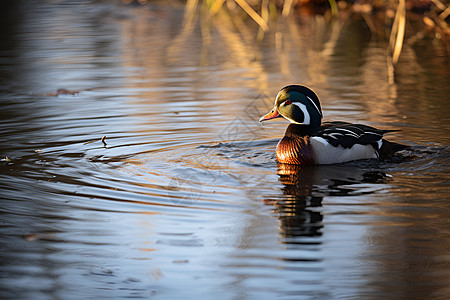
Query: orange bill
[(271, 115)]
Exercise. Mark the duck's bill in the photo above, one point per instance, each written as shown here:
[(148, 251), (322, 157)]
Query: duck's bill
[(271, 115)]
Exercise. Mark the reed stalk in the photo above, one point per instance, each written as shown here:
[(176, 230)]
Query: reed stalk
[(398, 32)]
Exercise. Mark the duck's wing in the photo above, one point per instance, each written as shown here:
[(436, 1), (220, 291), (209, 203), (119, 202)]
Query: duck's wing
[(347, 134)]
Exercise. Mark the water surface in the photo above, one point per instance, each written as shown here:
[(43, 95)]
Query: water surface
[(186, 199)]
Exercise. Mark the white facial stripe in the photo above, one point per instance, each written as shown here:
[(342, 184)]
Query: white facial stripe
[(307, 119), (318, 110)]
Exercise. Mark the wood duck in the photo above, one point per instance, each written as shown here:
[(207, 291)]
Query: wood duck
[(308, 141)]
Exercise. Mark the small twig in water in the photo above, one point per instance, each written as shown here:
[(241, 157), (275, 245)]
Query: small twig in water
[(103, 140)]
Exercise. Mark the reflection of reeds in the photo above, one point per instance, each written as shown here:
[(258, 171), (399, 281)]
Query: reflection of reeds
[(216, 57), (262, 11)]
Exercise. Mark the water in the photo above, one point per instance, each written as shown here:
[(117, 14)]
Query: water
[(186, 200)]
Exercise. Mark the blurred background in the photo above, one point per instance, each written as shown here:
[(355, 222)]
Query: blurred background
[(132, 162)]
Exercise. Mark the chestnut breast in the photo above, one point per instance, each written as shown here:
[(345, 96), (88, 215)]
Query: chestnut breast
[(295, 150)]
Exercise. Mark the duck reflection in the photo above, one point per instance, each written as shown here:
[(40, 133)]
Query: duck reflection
[(296, 212), (305, 187)]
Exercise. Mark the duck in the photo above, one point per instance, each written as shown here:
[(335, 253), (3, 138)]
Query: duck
[(308, 141)]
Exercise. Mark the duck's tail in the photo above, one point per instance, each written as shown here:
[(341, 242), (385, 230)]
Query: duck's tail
[(389, 148)]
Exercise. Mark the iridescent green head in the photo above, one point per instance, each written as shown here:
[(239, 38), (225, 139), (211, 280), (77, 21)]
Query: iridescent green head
[(298, 104)]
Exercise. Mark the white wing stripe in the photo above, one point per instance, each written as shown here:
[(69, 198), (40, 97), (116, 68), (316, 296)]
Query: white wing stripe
[(374, 133), (351, 133)]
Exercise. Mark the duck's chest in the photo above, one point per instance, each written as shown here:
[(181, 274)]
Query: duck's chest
[(295, 150)]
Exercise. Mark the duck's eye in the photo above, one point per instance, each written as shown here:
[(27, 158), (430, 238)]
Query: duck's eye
[(287, 102)]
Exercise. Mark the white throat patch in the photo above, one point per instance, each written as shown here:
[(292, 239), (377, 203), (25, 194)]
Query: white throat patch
[(307, 118)]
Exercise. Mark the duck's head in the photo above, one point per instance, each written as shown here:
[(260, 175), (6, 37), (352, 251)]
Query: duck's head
[(298, 104)]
